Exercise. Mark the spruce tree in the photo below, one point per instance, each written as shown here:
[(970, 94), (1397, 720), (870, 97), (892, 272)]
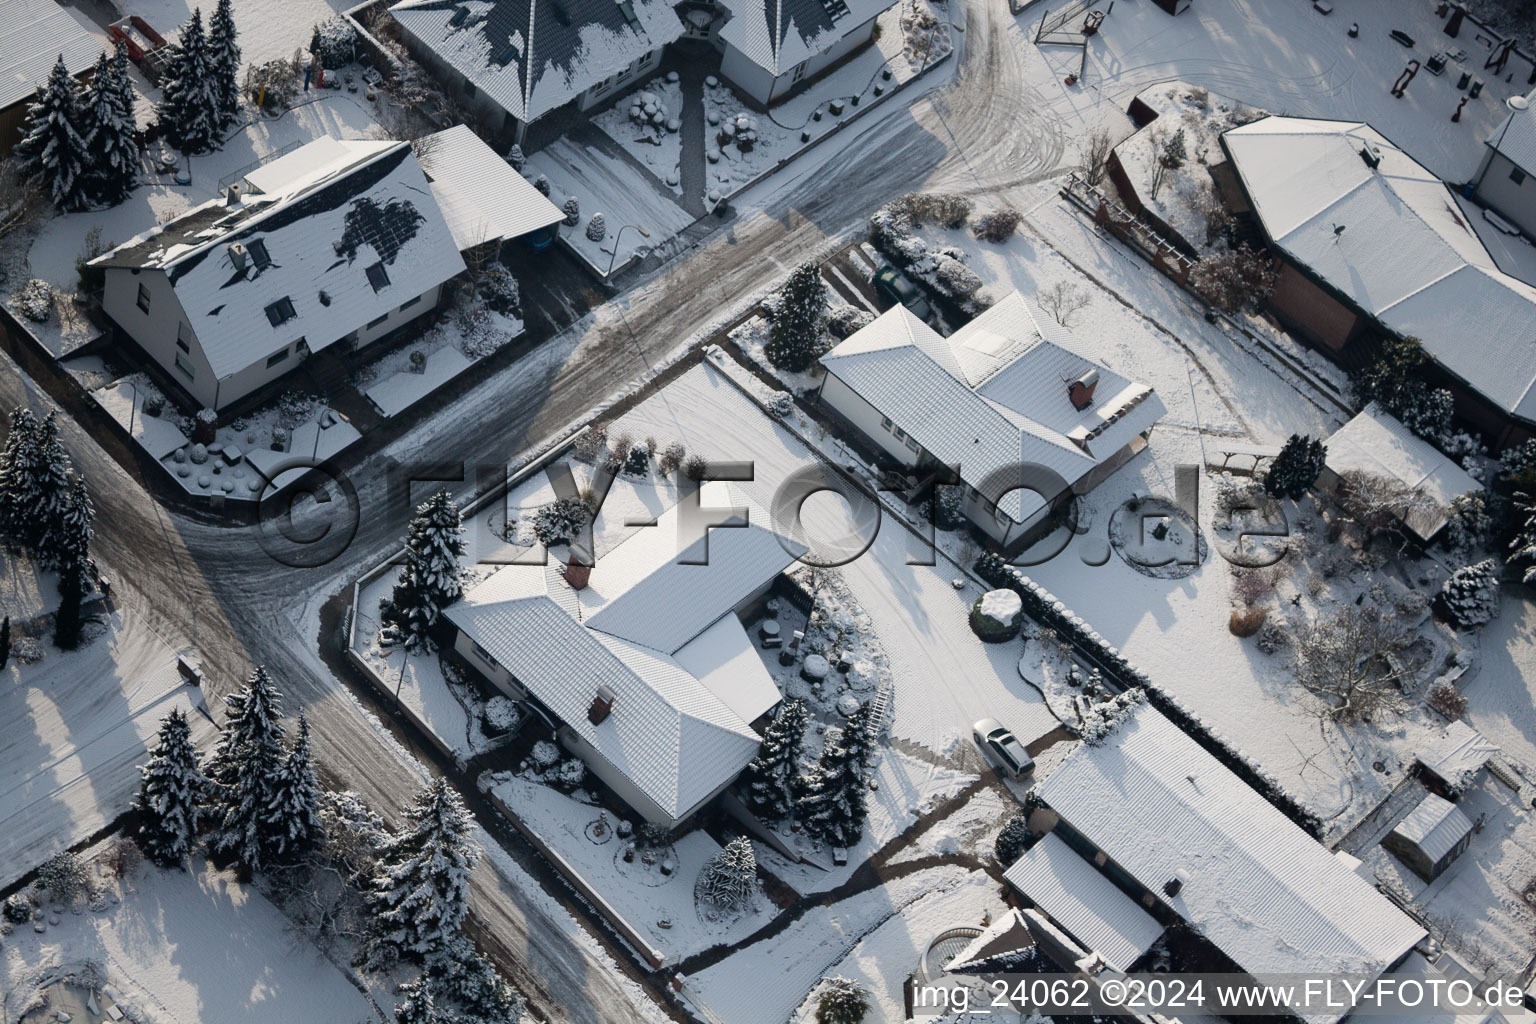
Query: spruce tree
[(245, 770), (171, 794), (1522, 547), (224, 55), (189, 105), (72, 554), (1295, 469), (112, 155), (420, 895), (837, 789), (729, 881), (799, 327), (18, 490), (417, 1005), (430, 579), (49, 533), (295, 809), (463, 976), (53, 153), (1469, 597), (771, 783)]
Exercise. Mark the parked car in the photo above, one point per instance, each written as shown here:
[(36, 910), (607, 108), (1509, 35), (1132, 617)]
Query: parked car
[(1002, 748), (894, 285)]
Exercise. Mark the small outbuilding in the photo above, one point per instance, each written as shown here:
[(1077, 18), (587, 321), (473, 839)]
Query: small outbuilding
[(1450, 763), (1435, 833)]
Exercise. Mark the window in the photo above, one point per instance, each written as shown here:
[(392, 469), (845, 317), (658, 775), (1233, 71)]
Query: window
[(901, 435), (281, 311), (378, 320), (276, 358), (378, 277), (259, 255), (184, 366), (799, 72), (143, 302), (181, 338), (886, 423), (408, 304), (483, 654), (1517, 176), (911, 444)]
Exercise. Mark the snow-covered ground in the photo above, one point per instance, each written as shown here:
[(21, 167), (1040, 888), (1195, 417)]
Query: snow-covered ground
[(185, 948), (656, 143), (268, 28), (450, 348)]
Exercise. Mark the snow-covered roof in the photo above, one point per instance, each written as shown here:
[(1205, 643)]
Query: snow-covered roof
[(1392, 240), (776, 35), (481, 196), (1515, 137), (1457, 755), (345, 212), (1376, 442), (1435, 826), (993, 396), (1004, 945), (33, 35), (1078, 897), (1261, 890), (686, 679), (531, 56)]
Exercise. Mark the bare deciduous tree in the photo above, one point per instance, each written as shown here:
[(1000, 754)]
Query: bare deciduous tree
[(23, 200), (1064, 300), (1357, 661), (1378, 503), (1096, 149)]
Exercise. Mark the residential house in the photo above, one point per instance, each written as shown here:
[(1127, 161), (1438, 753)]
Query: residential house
[(771, 47), (1504, 180), (1184, 839), (1007, 400), (34, 34), (335, 244), (1372, 244), (642, 665), (515, 61)]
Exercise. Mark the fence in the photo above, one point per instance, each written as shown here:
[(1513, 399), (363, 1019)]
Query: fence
[(238, 175), (1126, 226)]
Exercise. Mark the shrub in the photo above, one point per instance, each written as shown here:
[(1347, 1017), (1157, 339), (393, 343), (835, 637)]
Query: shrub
[(997, 615), (572, 211), (1252, 585), (516, 158), (542, 184), (63, 876), (694, 468), (1470, 595), (671, 458), (122, 857), (1467, 521), (1011, 840), (334, 41), (545, 754), (997, 226), (499, 290), (561, 521), (782, 405), (1446, 699), (154, 405), (846, 320), (17, 908), (1245, 622), (501, 713), (273, 82), (572, 772), (1234, 280), (957, 279), (589, 443), (618, 452), (842, 1002), (35, 300), (638, 461), (597, 228), (1273, 636), (944, 208), (1519, 462), (198, 454)]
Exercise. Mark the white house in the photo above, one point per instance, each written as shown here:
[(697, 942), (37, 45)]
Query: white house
[(1174, 831), (771, 46), (513, 61), (1504, 180), (337, 243), (1006, 399), (645, 670)]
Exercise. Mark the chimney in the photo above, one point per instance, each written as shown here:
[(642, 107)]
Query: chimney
[(232, 196), (602, 705), (1176, 884), (1080, 391), (237, 256), (577, 574), (1371, 156)]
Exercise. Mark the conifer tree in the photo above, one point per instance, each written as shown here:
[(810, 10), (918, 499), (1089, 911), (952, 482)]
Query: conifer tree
[(417, 1005), (1522, 547), (295, 810), (18, 492), (71, 537), (771, 783), (189, 105), (171, 794), (224, 55), (837, 790), (49, 533), (244, 770), (729, 881), (799, 327), (112, 155), (1296, 468), (420, 895), (1469, 597), (430, 579), (52, 152), (463, 976)]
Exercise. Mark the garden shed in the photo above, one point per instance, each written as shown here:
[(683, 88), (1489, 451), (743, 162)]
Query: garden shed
[(1435, 833)]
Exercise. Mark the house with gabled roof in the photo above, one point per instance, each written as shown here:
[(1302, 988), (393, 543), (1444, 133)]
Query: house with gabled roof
[(335, 244), (641, 664), (772, 47), (1007, 401)]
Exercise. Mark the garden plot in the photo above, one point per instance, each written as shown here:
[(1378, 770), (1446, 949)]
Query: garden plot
[(400, 379), (653, 890), (162, 943), (647, 123)]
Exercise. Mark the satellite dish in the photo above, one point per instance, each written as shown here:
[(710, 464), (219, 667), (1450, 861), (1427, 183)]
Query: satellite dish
[(1517, 103)]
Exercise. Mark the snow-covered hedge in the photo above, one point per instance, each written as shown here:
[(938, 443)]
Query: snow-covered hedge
[(335, 42), (34, 300)]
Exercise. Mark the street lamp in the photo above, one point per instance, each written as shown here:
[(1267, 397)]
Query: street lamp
[(615, 254)]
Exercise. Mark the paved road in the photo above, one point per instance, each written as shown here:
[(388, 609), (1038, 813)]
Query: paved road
[(207, 583)]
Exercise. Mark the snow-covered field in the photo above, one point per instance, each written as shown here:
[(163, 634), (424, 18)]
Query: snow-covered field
[(185, 948)]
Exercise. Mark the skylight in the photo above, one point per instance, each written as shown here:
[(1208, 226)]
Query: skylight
[(378, 277), (281, 311)]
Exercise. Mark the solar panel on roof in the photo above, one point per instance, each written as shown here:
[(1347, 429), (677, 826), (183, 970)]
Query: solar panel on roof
[(628, 10), (457, 19), (835, 8)]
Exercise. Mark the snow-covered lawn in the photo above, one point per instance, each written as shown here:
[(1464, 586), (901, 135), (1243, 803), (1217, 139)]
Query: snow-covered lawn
[(186, 948), (656, 143), (658, 906), (604, 183), (76, 725), (268, 28)]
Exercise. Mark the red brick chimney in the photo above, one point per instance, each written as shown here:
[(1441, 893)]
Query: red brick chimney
[(602, 706), (577, 574), (1080, 391)]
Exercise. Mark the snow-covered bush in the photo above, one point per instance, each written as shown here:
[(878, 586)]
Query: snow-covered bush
[(997, 226), (597, 228), (842, 1002), (17, 908), (273, 83), (694, 468), (334, 41), (728, 883), (1519, 462), (782, 405), (279, 439), (499, 290), (34, 300), (572, 210), (957, 279), (671, 458), (1011, 840), (1273, 636), (1446, 699), (798, 327), (618, 452), (1467, 521), (1295, 469), (501, 713), (638, 461), (479, 335), (545, 755), (945, 208), (573, 772), (1234, 280), (1470, 595), (844, 320), (589, 443), (542, 184), (561, 521), (154, 405), (946, 507), (198, 454), (63, 876), (1097, 719), (997, 615), (515, 157)]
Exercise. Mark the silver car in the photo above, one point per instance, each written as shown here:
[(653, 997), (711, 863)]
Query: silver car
[(1002, 748)]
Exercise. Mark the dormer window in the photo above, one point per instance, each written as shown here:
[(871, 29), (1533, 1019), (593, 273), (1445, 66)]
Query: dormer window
[(281, 311), (378, 277), (259, 255)]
